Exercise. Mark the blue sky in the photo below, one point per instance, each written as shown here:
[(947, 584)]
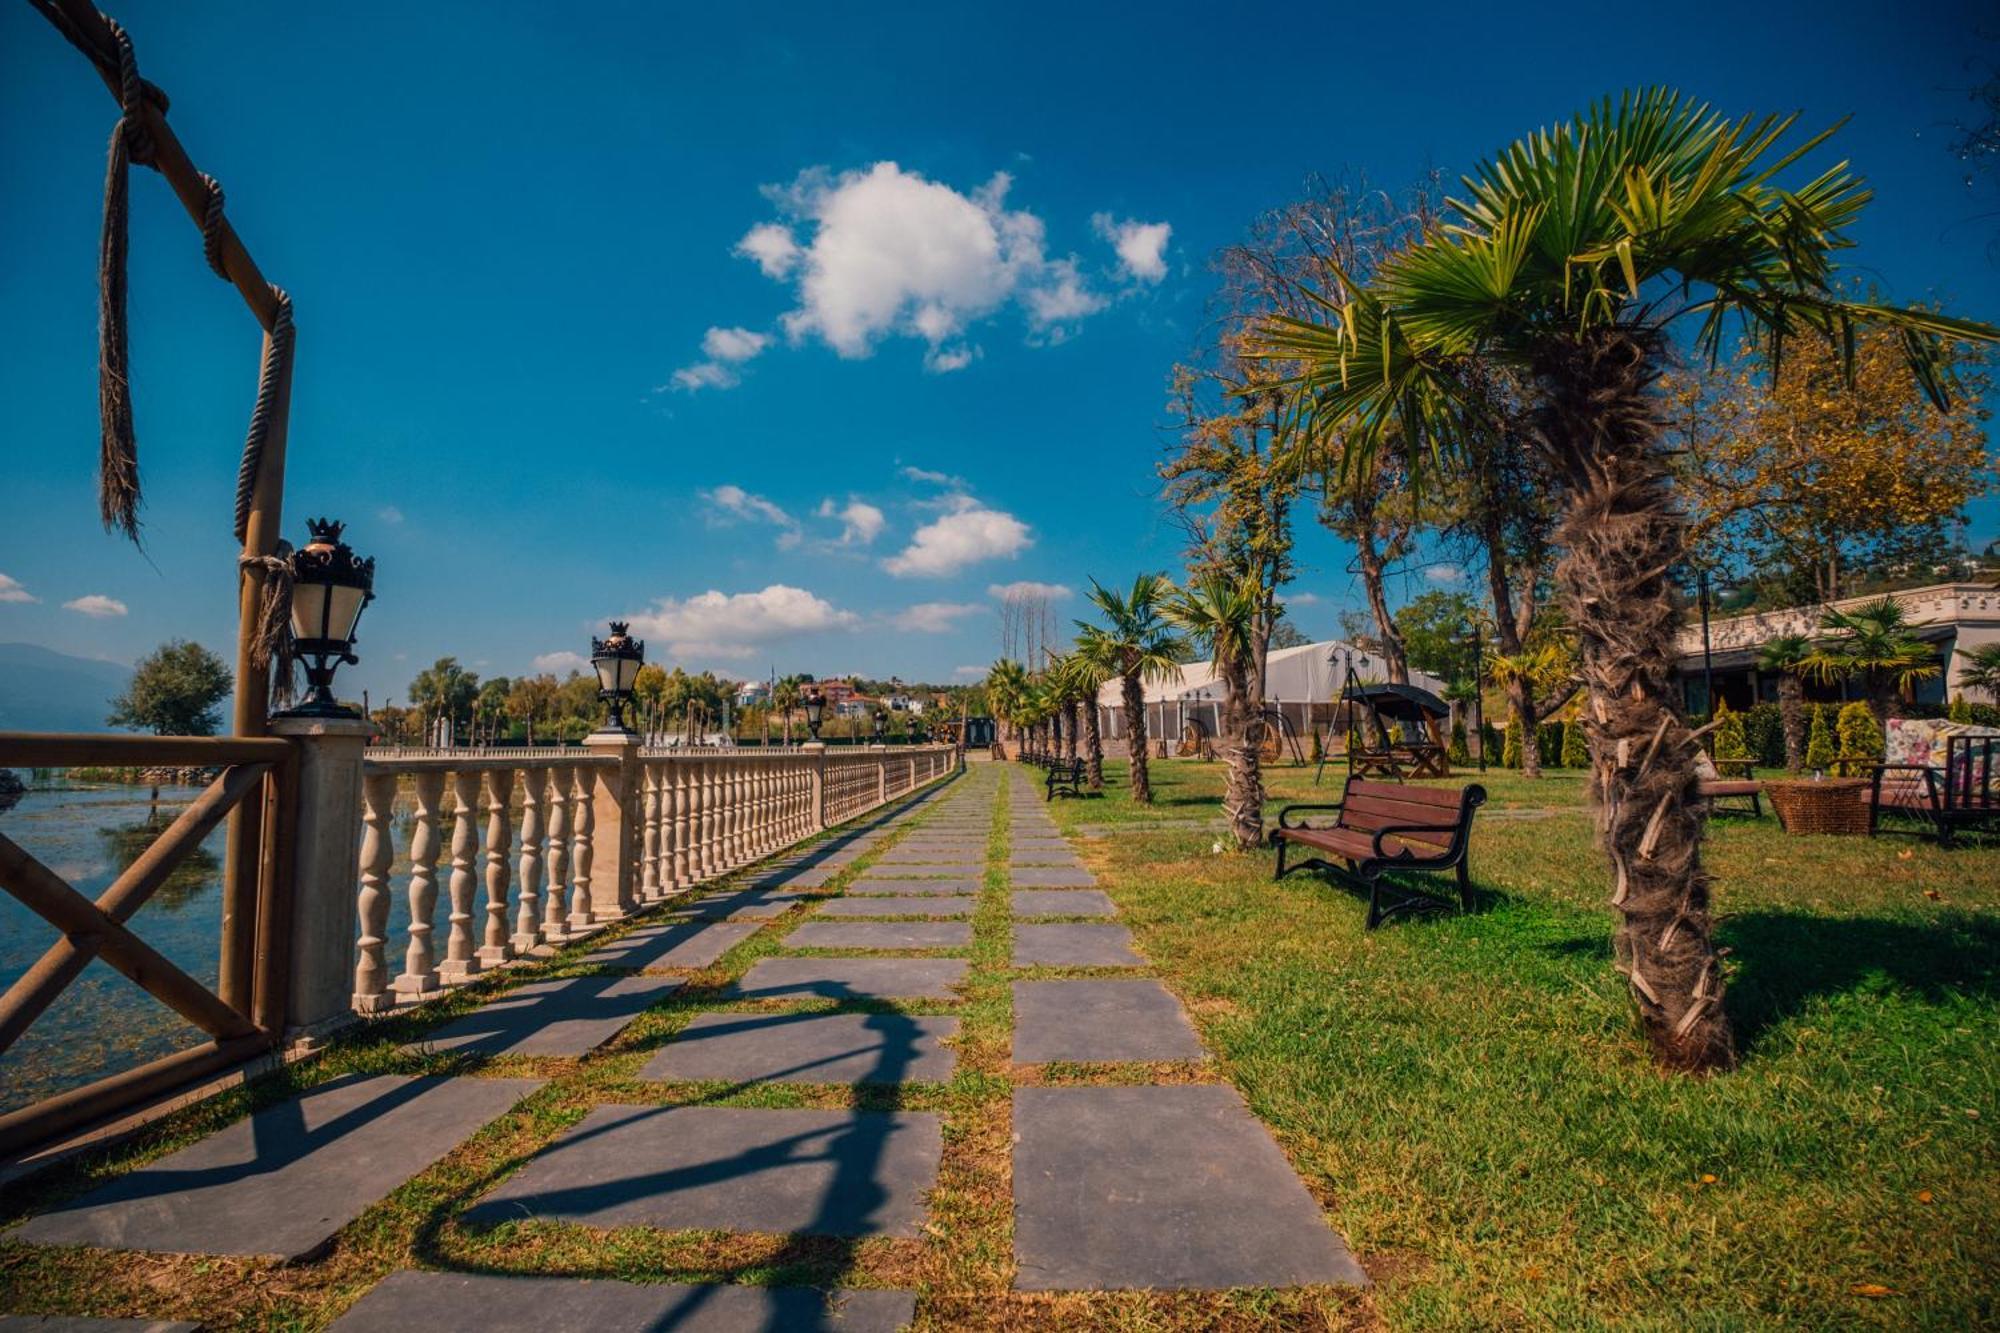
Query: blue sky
[(792, 331)]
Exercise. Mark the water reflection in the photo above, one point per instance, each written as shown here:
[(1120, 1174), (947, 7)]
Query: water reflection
[(198, 869)]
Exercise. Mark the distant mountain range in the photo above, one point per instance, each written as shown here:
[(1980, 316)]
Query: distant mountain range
[(44, 690)]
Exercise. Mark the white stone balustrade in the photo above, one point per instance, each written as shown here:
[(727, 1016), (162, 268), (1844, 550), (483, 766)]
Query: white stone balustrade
[(577, 837)]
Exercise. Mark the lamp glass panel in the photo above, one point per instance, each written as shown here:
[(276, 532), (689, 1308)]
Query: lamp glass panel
[(343, 610), (628, 672)]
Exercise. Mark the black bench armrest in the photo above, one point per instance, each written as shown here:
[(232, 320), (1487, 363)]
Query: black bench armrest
[(1287, 811), (1394, 829)]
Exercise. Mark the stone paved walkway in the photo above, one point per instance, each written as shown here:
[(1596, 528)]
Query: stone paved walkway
[(1124, 1173)]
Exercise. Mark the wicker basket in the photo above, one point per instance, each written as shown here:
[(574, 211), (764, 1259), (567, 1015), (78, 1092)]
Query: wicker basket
[(1831, 805)]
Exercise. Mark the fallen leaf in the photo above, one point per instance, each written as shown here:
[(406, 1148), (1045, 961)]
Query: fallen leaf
[(1924, 1196), (1707, 1179), (1873, 1290), (1532, 1271), (1933, 895)]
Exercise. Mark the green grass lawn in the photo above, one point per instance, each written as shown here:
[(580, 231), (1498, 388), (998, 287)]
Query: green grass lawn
[(1470, 1098)]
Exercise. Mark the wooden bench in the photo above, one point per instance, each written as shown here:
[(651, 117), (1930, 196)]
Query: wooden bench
[(1385, 827), (1965, 793), (1064, 779), (1716, 785)]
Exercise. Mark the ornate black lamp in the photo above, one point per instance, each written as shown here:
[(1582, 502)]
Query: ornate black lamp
[(881, 724), (815, 704), (617, 660), (329, 588)]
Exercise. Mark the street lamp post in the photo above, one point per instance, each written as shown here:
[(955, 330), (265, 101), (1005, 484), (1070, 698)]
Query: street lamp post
[(881, 726), (815, 706), (617, 660), (1707, 656), (330, 586)]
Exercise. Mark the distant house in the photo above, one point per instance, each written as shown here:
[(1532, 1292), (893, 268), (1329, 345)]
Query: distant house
[(753, 694), (1951, 616)]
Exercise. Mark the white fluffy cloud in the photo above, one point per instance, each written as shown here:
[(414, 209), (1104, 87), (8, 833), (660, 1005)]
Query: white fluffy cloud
[(730, 503), (12, 591), (389, 514), (96, 605), (772, 245), (934, 617), (1444, 573), (734, 625), (965, 534), (860, 522), (1052, 592), (562, 663), (925, 474), (725, 350), (1141, 246), (968, 672)]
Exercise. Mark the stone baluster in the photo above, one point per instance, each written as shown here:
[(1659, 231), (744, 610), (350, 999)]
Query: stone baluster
[(419, 976), (583, 822), (739, 808), (697, 851), (767, 808), (649, 852), (555, 901), (499, 838), (528, 916), (378, 853), (461, 963), (677, 826), (711, 853)]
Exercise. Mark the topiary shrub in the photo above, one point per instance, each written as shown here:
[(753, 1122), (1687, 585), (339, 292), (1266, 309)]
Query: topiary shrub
[(1730, 741), (1960, 710), (1860, 736), (1576, 750), (1318, 747), (1764, 733), (1819, 742), (1510, 750), (1460, 754), (1490, 739)]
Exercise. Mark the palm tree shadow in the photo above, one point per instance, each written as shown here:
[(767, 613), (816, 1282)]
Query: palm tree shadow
[(1787, 960)]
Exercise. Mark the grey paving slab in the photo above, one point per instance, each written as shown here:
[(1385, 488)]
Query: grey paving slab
[(1073, 944), (564, 1017), (850, 979), (900, 885), (498, 1304), (1017, 861), (803, 877), (686, 944), (83, 1323), (814, 1173), (1050, 877), (1100, 1021), (1062, 902), (746, 904), (1174, 1188), (881, 935), (916, 904), (283, 1181), (808, 1048), (69, 1323), (934, 865)]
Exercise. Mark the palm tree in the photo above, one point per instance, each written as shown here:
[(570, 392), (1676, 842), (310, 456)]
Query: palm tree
[(786, 697), (1006, 683), (1984, 671), (1786, 657), (1135, 644), (1527, 676), (1876, 645), (1084, 678), (1571, 255), (1220, 612)]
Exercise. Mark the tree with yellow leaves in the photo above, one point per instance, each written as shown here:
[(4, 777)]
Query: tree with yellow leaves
[(1802, 472)]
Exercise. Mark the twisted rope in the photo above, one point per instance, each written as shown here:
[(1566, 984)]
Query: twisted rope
[(272, 645), (276, 362), (211, 226), (118, 446)]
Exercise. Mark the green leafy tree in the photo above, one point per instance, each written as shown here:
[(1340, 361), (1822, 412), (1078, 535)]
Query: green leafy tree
[(1434, 626), (1788, 657), (1569, 256), (175, 690), (531, 702), (445, 689), (1136, 644), (489, 706), (1819, 743)]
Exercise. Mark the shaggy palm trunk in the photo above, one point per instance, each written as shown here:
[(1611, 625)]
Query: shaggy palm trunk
[(1623, 533), (1792, 713), (1243, 790), (1135, 737), (1069, 711), (1093, 746)]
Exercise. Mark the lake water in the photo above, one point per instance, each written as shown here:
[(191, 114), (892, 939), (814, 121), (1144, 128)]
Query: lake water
[(103, 1023)]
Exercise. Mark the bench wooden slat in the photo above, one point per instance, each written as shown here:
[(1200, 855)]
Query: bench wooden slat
[(1366, 809)]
